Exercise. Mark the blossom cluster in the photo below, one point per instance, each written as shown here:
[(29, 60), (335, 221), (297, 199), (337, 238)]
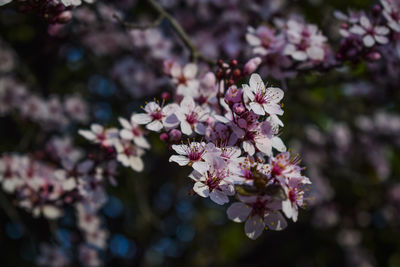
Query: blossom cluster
[(44, 189), (55, 11), (296, 45), (52, 113), (366, 34), (240, 131)]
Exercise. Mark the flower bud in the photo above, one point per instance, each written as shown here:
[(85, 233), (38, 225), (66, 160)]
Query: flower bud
[(238, 108), (234, 63), (233, 95), (374, 56), (252, 65), (175, 135), (376, 10), (166, 95), (164, 137), (236, 74)]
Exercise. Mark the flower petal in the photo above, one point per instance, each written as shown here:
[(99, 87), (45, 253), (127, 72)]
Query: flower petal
[(368, 40), (201, 189), (155, 126), (201, 166), (254, 226), (126, 134), (136, 163), (141, 118), (181, 160), (238, 212), (219, 197), (275, 221), (257, 108), (190, 70)]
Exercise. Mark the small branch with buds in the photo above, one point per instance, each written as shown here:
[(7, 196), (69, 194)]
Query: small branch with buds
[(195, 54), (129, 25)]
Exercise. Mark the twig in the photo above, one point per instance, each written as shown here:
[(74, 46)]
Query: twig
[(194, 53), (129, 25)]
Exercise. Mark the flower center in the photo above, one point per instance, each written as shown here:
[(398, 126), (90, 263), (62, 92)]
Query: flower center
[(136, 132), (248, 174), (258, 208), (182, 80), (276, 170), (128, 151), (259, 98), (292, 196), (191, 118), (213, 182), (195, 155), (156, 115)]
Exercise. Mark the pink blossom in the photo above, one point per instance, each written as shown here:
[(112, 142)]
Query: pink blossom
[(213, 183), (305, 41), (257, 212), (370, 33), (191, 116), (156, 117), (391, 11), (263, 100), (185, 79), (132, 131), (192, 154), (98, 135), (129, 155)]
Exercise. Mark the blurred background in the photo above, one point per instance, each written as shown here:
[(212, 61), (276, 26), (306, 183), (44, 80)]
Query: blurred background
[(344, 123)]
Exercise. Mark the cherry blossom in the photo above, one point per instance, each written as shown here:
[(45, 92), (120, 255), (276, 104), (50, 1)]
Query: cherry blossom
[(132, 131), (213, 182), (257, 213), (391, 11), (263, 100), (191, 116), (192, 154), (264, 40), (370, 33), (157, 117), (99, 135), (305, 41), (129, 155), (185, 79)]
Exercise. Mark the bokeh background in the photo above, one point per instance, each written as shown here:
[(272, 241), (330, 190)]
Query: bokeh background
[(344, 123)]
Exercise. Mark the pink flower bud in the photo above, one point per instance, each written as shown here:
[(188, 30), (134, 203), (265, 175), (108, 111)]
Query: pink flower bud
[(252, 65), (238, 108), (175, 135), (233, 95), (374, 56), (164, 137), (166, 95)]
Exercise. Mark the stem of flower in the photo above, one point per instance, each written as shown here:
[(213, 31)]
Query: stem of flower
[(195, 54)]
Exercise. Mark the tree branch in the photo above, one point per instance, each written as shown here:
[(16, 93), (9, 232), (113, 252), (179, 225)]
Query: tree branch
[(129, 25), (195, 54)]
